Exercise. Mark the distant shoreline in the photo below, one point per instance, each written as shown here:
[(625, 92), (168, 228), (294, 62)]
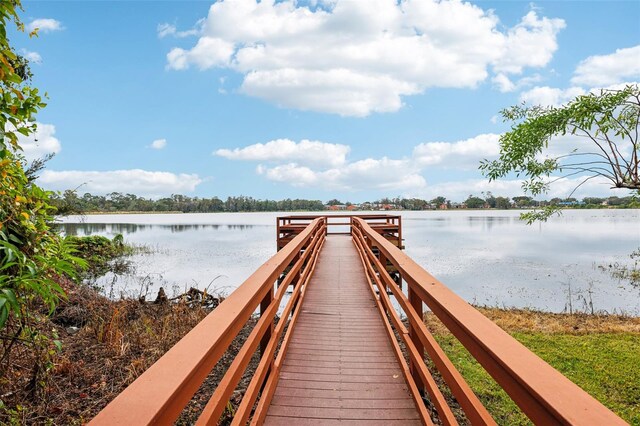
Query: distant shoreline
[(95, 213), (127, 212)]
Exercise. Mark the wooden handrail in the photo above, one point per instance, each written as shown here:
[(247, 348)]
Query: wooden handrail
[(543, 393), (160, 394)]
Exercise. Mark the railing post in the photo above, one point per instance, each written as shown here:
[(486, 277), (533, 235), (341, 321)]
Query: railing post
[(264, 305), (294, 283), (383, 261), (416, 305)]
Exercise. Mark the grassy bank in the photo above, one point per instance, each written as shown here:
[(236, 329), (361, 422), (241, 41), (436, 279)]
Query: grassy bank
[(599, 353)]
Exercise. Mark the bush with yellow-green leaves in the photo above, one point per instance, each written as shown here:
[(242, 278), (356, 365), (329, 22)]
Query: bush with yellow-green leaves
[(32, 256)]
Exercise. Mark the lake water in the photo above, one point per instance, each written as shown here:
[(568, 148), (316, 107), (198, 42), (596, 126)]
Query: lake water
[(487, 257)]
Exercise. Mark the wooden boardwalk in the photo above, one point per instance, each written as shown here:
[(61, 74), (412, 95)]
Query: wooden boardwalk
[(336, 363), (340, 366)]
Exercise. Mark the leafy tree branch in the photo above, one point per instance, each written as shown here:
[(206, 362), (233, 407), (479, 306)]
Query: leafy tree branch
[(605, 126)]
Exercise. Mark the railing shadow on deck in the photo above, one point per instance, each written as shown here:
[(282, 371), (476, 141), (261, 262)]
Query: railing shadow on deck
[(160, 394)]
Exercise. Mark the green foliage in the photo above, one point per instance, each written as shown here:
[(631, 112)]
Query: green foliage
[(606, 125), (70, 203), (502, 203), (474, 202), (98, 252), (19, 101), (32, 257), (603, 364)]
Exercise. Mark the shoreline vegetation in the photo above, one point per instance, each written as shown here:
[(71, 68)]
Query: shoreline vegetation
[(70, 202)]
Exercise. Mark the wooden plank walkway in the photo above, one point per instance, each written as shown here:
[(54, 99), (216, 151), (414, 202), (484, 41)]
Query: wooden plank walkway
[(340, 367)]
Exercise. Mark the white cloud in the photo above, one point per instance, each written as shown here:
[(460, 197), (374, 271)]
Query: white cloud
[(135, 181), (605, 70), (504, 83), (166, 29), (462, 154), (33, 57), (44, 25), (550, 96), (40, 143), (324, 165), (208, 52), (460, 190), (285, 150), (562, 188), (531, 43), (159, 144), (378, 174), (609, 72), (355, 58), (338, 91)]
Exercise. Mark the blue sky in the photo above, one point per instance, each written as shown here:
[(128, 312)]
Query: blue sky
[(355, 100)]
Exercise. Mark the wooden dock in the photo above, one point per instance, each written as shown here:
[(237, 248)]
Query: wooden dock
[(332, 354), (340, 366)]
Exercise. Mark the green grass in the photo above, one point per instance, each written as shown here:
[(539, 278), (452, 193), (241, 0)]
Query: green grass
[(606, 365)]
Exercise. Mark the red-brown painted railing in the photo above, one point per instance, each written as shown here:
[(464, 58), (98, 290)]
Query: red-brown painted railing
[(160, 394), (544, 394), (390, 226)]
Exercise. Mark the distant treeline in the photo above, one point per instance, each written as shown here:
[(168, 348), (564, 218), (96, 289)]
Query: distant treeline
[(70, 202)]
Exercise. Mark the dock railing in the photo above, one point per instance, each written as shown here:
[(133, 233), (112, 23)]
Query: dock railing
[(160, 394), (388, 225), (542, 393)]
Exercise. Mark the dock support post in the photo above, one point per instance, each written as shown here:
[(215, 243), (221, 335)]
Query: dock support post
[(416, 304)]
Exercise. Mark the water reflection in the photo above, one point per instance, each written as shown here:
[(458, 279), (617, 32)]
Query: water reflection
[(81, 229), (488, 222)]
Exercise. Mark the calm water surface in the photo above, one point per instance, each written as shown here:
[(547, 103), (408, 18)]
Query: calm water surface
[(487, 257)]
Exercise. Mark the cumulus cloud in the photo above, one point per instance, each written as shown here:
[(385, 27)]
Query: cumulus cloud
[(44, 25), (324, 165), (207, 53), (159, 144), (550, 96), (531, 43), (604, 70), (609, 72), (379, 174), (135, 181), (327, 166), (462, 154), (40, 143), (304, 152), (505, 84), (355, 58)]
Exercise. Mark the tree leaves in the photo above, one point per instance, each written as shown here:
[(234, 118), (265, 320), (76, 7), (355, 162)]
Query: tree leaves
[(608, 124)]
